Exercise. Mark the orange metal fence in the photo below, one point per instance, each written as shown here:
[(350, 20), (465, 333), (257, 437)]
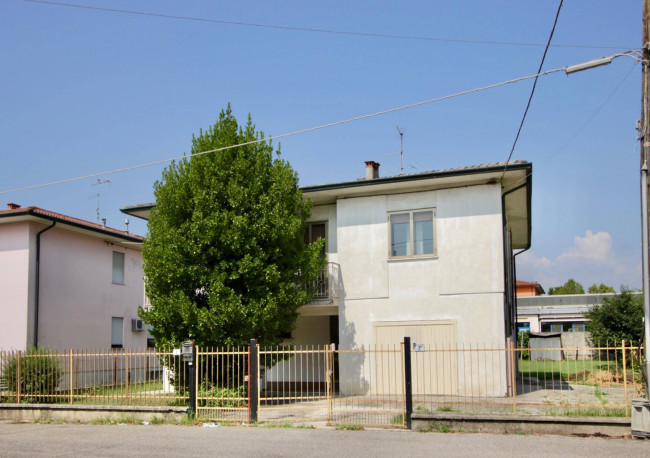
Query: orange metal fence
[(93, 377), (333, 385)]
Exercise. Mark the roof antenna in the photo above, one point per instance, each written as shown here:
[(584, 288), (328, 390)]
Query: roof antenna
[(401, 150), (98, 183)]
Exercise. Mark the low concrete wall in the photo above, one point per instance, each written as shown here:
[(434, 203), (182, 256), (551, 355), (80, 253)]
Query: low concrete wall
[(83, 414), (501, 424)]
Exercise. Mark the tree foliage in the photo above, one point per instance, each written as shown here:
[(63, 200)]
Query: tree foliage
[(225, 251), (600, 289), (570, 287), (618, 317)]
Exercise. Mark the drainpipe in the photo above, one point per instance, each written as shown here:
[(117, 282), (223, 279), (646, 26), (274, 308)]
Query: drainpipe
[(511, 294), (38, 276)]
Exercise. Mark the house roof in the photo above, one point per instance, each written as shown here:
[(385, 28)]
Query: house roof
[(16, 213), (531, 284), (515, 178)]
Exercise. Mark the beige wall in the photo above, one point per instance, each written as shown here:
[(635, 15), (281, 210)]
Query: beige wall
[(463, 282)]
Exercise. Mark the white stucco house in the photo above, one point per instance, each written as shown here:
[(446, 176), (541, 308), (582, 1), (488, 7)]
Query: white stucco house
[(427, 255), (66, 283)]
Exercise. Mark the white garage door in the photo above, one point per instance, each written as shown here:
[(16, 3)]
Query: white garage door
[(434, 370)]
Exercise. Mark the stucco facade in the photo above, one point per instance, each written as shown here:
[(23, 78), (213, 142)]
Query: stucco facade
[(71, 282)]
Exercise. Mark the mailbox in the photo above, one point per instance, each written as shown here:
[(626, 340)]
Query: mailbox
[(187, 352)]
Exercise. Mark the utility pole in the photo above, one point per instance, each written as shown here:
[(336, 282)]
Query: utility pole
[(644, 137)]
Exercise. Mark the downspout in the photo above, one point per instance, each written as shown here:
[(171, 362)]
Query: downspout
[(38, 277), (509, 294)]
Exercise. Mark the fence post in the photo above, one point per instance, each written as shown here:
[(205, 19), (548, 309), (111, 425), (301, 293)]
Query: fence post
[(513, 374), (253, 382), (192, 381), (18, 377), (627, 410), (71, 369), (126, 365), (408, 388)]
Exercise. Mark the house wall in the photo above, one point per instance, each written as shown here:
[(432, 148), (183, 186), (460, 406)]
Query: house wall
[(78, 298), (15, 297), (462, 283)]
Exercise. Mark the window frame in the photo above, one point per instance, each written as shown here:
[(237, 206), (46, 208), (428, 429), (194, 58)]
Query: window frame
[(113, 267), (412, 241), (309, 233), (114, 319)]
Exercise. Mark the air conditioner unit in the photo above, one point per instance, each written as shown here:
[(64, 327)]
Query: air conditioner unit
[(137, 324)]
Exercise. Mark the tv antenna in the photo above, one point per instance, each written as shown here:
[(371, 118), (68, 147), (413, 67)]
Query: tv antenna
[(99, 182), (401, 151)]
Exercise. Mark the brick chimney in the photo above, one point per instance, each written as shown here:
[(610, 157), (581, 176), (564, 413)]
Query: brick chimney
[(372, 170), (11, 206)]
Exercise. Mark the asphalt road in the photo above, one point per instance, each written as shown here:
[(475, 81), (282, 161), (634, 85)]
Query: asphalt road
[(18, 440)]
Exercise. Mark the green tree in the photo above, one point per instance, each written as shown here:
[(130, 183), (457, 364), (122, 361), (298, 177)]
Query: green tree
[(570, 287), (225, 252), (600, 289), (618, 317)]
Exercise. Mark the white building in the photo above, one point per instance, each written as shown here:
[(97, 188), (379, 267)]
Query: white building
[(426, 255), (67, 283)]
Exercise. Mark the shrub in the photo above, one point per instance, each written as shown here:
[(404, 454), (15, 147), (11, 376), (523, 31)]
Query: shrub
[(224, 396), (39, 374)]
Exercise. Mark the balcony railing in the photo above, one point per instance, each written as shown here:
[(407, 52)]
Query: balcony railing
[(325, 285)]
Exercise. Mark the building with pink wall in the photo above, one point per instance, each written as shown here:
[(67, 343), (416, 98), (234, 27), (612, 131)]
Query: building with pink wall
[(67, 283)]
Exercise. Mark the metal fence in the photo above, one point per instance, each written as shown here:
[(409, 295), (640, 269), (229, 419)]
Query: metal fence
[(93, 377), (369, 386), (599, 380)]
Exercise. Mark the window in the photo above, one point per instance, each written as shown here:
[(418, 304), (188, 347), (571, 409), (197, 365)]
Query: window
[(118, 267), (412, 233), (117, 332), (316, 231)]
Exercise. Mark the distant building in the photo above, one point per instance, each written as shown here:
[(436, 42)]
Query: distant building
[(527, 288), (556, 313), (68, 283)]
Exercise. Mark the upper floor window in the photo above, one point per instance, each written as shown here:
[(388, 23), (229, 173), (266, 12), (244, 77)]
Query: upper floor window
[(316, 231), (118, 267), (412, 233)]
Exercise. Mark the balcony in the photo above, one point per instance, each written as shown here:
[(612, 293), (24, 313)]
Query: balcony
[(327, 285)]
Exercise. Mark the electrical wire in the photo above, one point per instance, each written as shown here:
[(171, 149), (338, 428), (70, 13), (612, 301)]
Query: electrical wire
[(288, 134), (315, 30), (532, 92), (302, 131), (587, 122)]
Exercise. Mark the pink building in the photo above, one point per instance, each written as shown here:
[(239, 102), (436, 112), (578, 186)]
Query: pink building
[(68, 283)]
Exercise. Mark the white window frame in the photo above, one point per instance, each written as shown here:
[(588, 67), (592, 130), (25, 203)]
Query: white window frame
[(113, 268), (412, 234)]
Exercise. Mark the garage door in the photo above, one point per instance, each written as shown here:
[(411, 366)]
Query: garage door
[(435, 369)]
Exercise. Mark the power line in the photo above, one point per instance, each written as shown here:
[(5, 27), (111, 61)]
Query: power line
[(296, 132), (532, 92), (582, 127), (316, 30)]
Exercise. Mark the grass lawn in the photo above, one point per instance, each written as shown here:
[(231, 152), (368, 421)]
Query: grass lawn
[(563, 370)]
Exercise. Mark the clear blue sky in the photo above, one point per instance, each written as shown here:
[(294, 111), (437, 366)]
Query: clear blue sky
[(84, 91)]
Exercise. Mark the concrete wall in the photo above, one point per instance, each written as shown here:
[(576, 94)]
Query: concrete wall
[(463, 282)]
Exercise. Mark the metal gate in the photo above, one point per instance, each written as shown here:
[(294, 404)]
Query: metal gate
[(301, 384)]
